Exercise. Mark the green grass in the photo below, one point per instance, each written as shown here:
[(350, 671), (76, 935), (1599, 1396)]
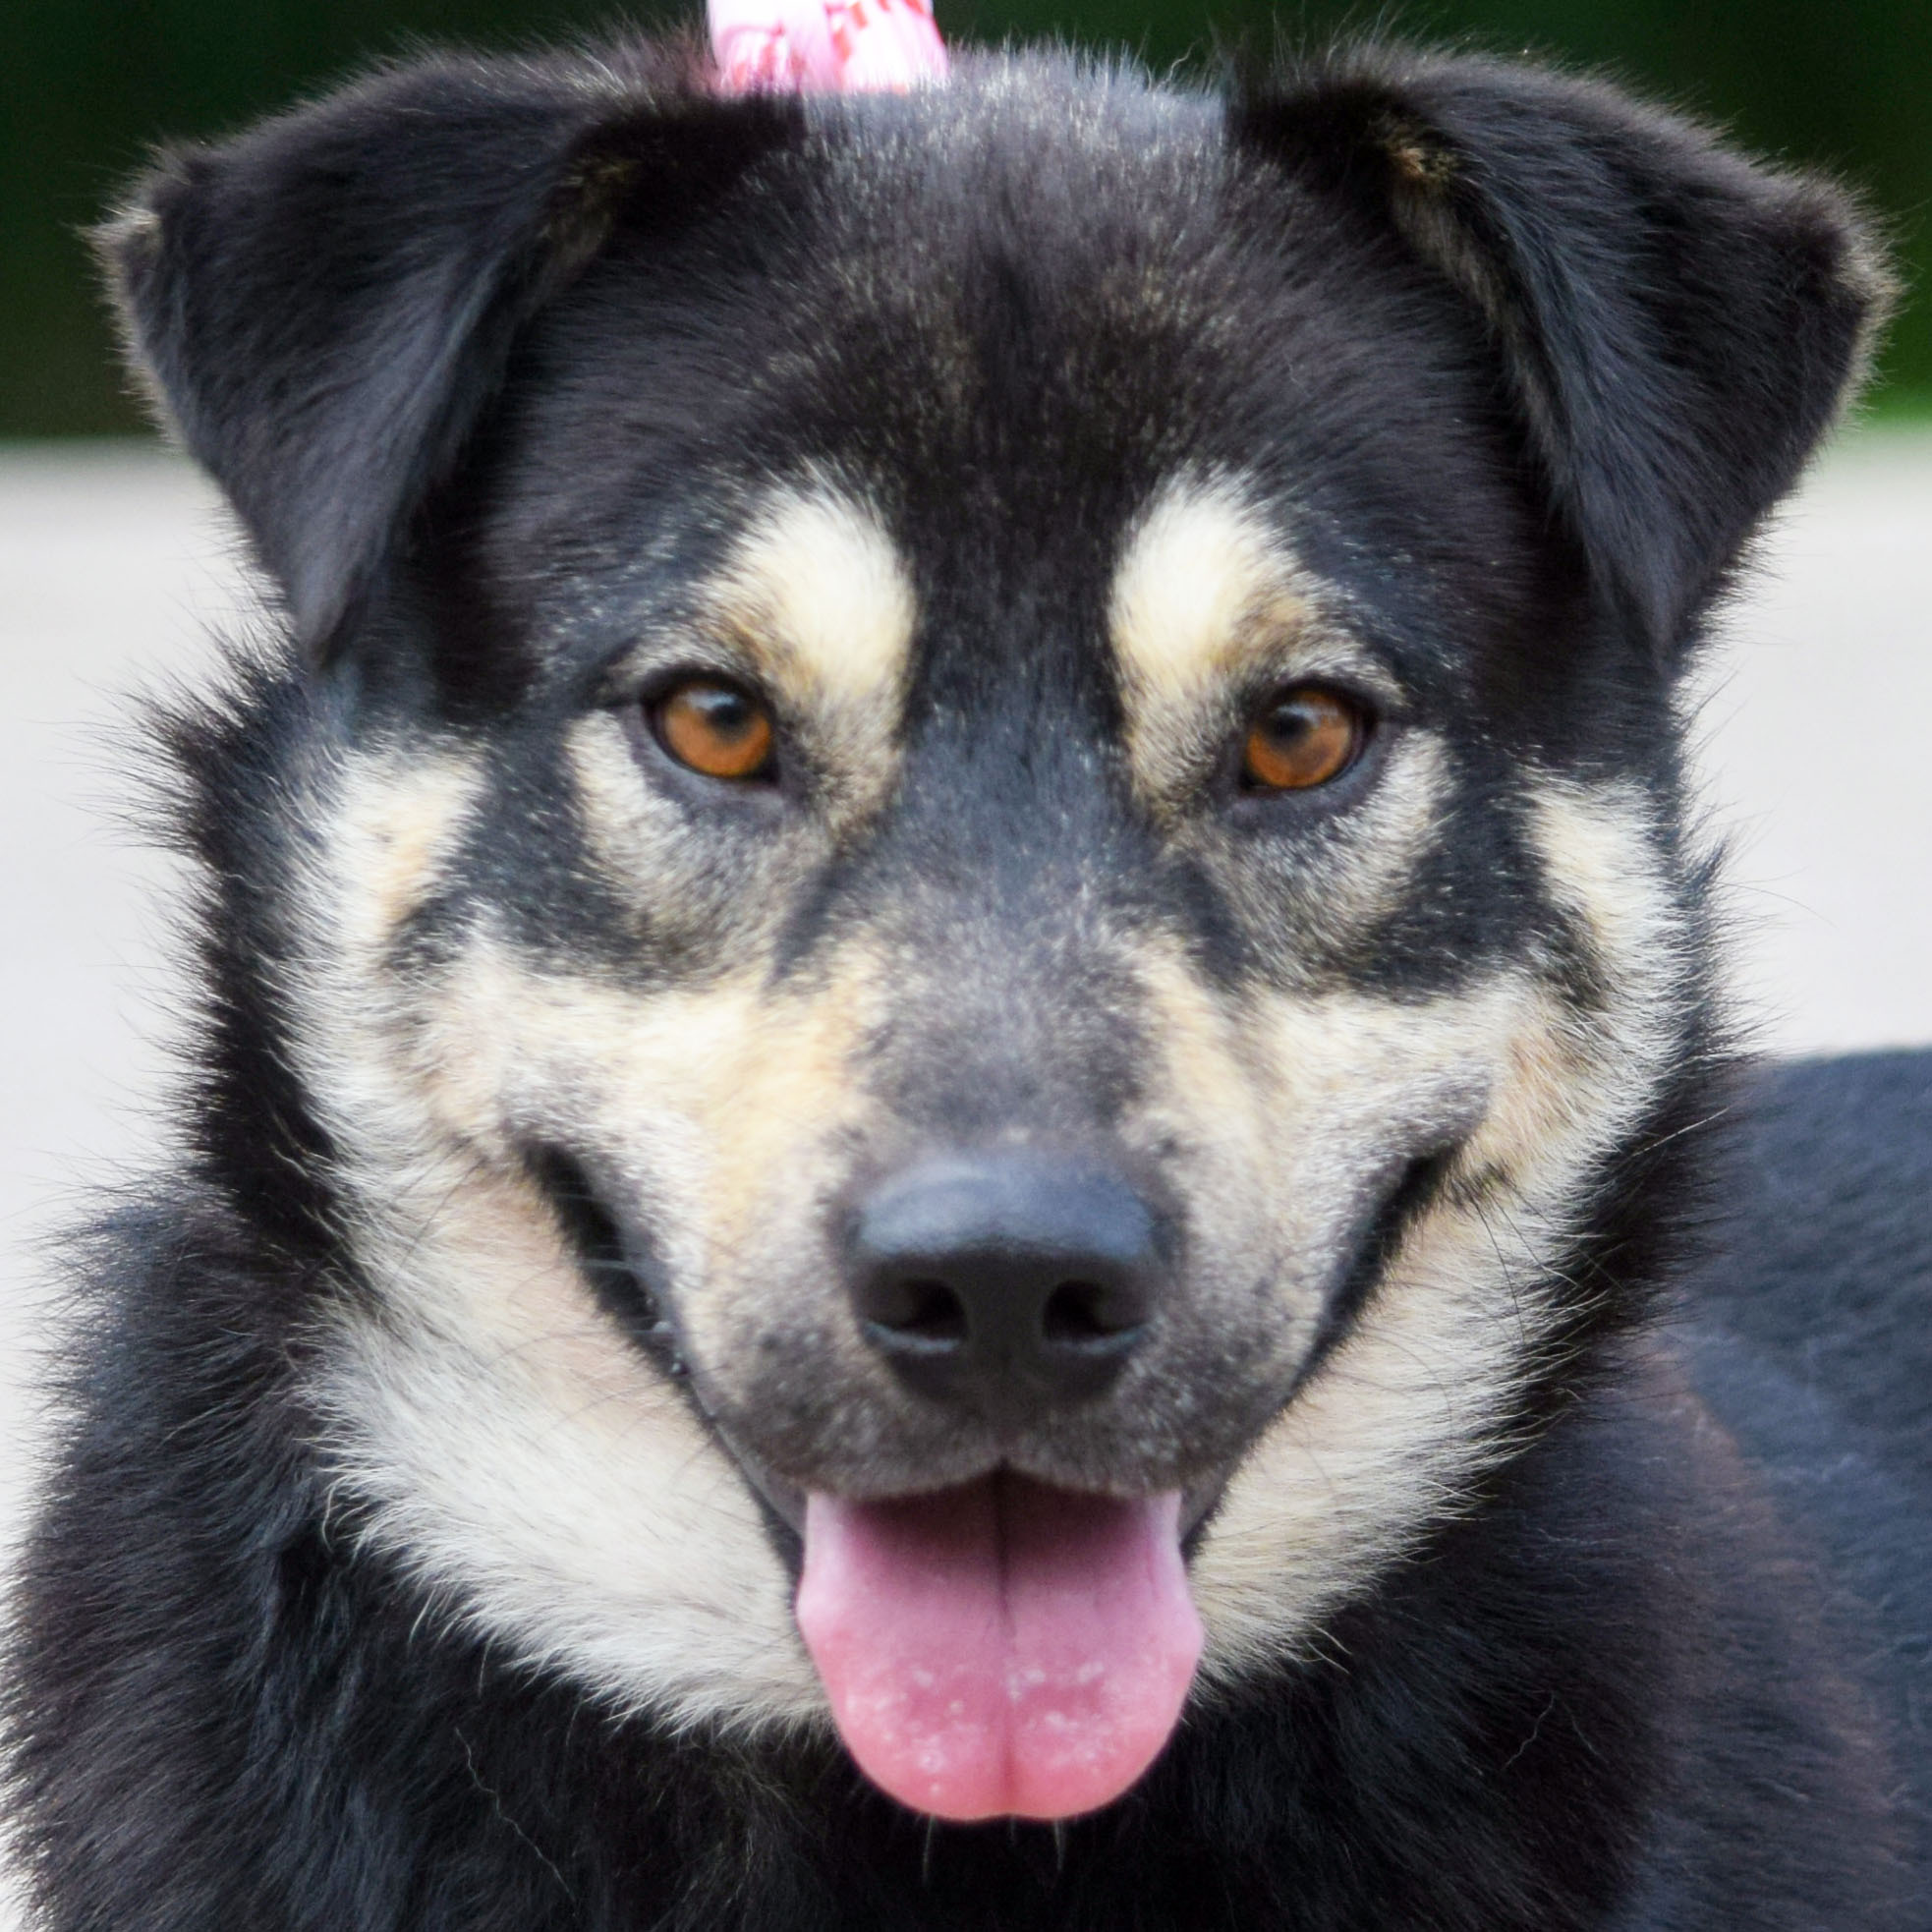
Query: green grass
[(1901, 403)]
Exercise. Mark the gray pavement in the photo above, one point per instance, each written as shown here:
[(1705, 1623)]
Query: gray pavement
[(1815, 722), (112, 560)]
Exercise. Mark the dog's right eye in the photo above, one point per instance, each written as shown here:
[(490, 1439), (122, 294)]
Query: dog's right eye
[(715, 728)]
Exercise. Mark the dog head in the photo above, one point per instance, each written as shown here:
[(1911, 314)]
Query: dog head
[(979, 856)]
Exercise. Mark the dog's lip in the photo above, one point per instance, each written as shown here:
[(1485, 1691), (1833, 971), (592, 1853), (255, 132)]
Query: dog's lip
[(786, 1499), (783, 1498), (1405, 1180), (1401, 1180)]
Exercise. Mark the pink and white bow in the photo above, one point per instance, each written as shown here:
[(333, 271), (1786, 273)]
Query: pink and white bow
[(838, 47)]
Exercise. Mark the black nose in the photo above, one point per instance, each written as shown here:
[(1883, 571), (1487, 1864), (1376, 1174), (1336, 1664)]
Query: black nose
[(1005, 1279)]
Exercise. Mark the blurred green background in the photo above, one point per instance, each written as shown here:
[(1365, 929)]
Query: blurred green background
[(87, 84)]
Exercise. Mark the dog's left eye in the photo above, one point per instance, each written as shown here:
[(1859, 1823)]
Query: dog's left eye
[(716, 729), (1303, 738)]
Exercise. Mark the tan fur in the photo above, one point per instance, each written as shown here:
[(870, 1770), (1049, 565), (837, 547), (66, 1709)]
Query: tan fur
[(814, 608), (1339, 882), (1208, 602), (395, 834), (547, 1486), (819, 596), (503, 1437), (545, 1483), (1395, 1429), (720, 1106)]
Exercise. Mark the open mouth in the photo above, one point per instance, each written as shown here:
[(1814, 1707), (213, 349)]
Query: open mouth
[(1005, 1647), (1002, 1649)]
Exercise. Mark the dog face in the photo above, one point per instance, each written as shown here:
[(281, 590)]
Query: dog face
[(988, 809)]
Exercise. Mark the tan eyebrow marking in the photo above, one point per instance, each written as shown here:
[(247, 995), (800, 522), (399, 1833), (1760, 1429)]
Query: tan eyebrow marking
[(820, 597), (1203, 588), (1205, 598)]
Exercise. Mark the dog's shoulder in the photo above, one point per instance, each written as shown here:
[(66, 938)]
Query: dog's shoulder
[(1824, 1266), (1808, 1332)]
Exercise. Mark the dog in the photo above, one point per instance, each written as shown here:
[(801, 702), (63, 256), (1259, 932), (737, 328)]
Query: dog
[(963, 1151)]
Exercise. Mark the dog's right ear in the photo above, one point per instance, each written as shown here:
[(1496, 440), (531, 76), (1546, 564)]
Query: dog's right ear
[(326, 306)]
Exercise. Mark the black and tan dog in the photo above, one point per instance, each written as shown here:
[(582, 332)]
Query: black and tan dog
[(959, 1087)]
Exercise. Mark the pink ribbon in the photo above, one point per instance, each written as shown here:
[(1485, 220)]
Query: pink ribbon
[(839, 47)]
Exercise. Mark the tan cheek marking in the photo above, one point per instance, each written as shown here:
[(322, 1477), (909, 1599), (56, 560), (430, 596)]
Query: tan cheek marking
[(508, 1443), (1265, 1074), (393, 818), (1388, 1438), (398, 819), (781, 1122), (504, 1443), (544, 1486), (1282, 1106), (726, 1106), (1393, 1433), (1598, 848), (1209, 1102)]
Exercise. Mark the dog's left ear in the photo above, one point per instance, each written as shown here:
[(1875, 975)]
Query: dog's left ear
[(1675, 329), (325, 306)]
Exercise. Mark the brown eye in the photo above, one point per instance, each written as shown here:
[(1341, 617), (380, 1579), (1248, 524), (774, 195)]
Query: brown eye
[(1302, 740), (716, 729)]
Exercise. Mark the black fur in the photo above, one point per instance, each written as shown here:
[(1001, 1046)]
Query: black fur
[(1675, 324), (465, 342)]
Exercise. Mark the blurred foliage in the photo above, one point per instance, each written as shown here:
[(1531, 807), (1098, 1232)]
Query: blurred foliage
[(86, 85)]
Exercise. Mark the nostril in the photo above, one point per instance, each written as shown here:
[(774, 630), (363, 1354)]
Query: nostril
[(1081, 1314), (1004, 1279), (917, 1310)]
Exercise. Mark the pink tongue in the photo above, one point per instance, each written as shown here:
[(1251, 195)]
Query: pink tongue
[(1002, 1649)]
